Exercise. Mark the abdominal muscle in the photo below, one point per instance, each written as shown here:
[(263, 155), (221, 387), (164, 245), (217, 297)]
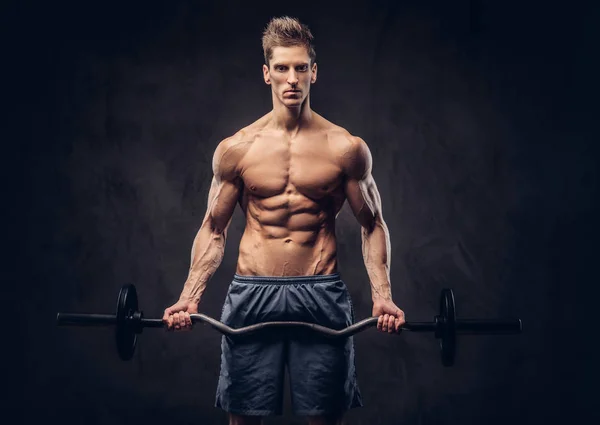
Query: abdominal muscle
[(287, 238)]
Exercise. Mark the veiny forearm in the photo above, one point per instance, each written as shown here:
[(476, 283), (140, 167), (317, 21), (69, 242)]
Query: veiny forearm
[(207, 253), (377, 257)]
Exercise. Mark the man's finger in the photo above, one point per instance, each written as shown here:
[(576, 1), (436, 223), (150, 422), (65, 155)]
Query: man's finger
[(391, 324), (398, 325), (175, 320)]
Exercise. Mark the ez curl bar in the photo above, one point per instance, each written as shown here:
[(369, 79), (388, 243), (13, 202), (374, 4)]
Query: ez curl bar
[(129, 322)]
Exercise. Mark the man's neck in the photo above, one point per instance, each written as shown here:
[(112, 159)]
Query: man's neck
[(291, 119)]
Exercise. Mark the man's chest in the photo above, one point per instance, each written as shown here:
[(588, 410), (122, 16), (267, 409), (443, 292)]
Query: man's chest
[(274, 166)]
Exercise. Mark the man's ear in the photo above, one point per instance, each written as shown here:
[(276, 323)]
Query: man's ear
[(314, 73), (266, 74)]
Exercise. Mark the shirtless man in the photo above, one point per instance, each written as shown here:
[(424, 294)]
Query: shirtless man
[(290, 171)]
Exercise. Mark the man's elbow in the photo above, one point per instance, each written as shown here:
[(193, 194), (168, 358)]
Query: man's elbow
[(217, 228), (371, 221)]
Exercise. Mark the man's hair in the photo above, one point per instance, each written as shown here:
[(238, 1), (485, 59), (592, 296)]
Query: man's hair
[(286, 32)]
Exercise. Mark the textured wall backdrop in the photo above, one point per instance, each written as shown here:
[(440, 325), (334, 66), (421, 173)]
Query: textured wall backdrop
[(479, 118)]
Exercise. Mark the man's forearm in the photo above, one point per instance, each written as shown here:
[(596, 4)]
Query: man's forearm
[(207, 253), (377, 258)]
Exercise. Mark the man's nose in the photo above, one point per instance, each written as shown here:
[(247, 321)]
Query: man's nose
[(292, 78)]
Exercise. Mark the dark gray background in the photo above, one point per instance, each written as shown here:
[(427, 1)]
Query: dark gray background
[(479, 116)]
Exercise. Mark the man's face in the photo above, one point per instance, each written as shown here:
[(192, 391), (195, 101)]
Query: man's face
[(290, 74)]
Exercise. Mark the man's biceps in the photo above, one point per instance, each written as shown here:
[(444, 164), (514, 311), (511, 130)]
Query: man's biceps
[(228, 196), (221, 213), (371, 192), (222, 199), (352, 191), (356, 199)]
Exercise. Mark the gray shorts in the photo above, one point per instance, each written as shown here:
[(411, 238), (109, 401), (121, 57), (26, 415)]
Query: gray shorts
[(322, 372)]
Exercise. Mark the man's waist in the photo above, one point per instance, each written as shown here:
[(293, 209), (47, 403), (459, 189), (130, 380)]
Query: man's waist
[(286, 280)]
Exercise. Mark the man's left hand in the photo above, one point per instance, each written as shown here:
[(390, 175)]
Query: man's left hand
[(391, 318)]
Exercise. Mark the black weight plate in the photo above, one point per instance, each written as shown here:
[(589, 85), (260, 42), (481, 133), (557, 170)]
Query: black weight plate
[(448, 327), (127, 304)]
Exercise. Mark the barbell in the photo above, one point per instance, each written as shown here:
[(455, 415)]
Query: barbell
[(129, 322)]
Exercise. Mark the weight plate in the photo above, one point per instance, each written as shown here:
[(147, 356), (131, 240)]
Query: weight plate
[(448, 327), (126, 338)]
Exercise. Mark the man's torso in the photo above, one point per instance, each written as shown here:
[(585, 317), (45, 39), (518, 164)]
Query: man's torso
[(292, 190)]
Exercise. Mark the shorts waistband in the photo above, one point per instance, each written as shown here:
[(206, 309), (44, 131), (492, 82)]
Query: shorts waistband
[(286, 280)]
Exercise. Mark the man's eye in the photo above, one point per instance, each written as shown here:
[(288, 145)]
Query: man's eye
[(302, 68)]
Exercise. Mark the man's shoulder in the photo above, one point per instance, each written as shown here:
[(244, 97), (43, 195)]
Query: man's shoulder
[(348, 146), (339, 136), (245, 135), (352, 151), (232, 149)]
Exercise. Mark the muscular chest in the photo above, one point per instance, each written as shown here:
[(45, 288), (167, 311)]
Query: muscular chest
[(275, 165)]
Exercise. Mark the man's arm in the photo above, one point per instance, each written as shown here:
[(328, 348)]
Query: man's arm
[(209, 244), (365, 202)]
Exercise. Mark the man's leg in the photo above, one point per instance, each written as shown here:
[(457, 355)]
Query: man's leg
[(326, 420), (252, 370), (245, 420), (323, 383)]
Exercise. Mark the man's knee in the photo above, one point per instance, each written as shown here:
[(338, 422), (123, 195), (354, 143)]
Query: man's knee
[(326, 420), (244, 420)]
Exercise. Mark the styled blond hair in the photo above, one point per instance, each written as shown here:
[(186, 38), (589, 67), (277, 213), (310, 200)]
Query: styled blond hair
[(286, 32)]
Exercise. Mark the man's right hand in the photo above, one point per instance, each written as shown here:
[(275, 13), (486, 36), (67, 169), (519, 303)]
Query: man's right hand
[(177, 317)]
